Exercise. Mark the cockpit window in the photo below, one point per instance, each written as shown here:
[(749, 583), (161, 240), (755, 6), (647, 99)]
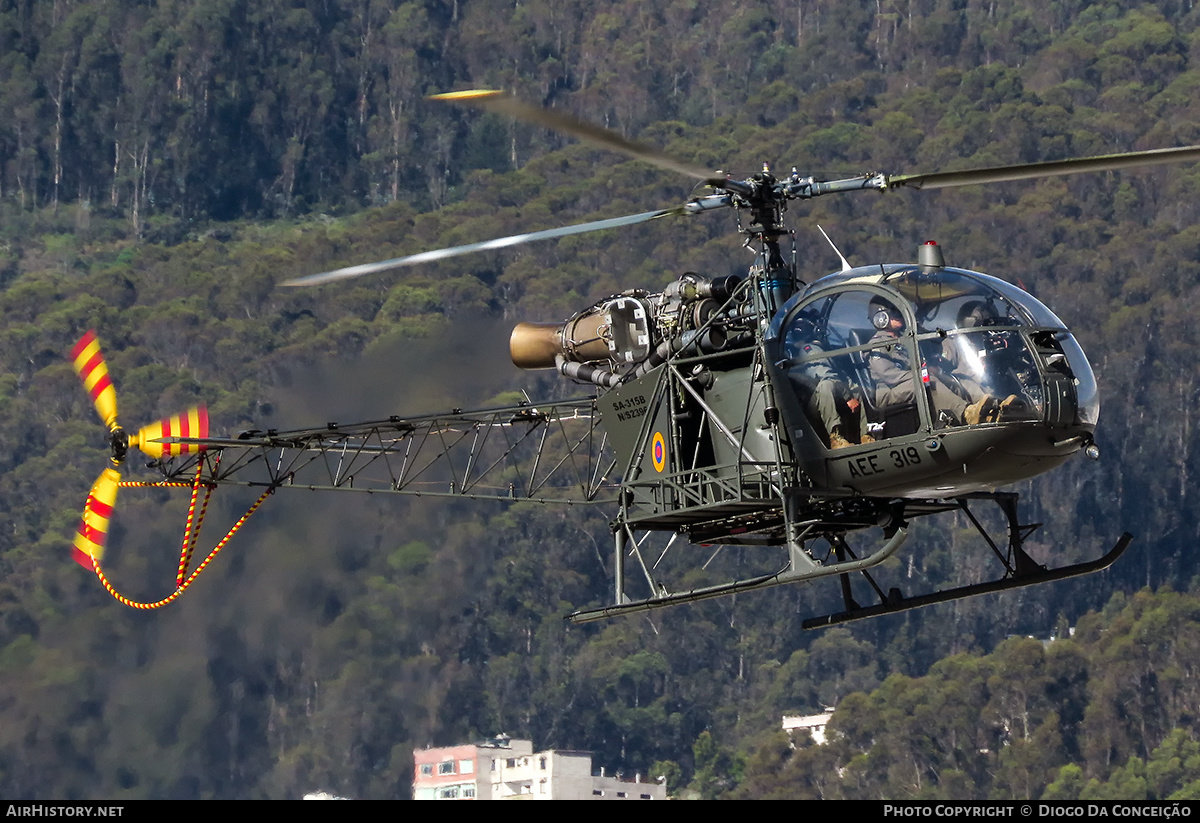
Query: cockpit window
[(931, 349), (989, 373), (1038, 314), (806, 326), (848, 357), (945, 300)]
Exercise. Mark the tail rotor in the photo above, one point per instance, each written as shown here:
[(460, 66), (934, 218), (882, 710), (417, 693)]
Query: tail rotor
[(89, 363)]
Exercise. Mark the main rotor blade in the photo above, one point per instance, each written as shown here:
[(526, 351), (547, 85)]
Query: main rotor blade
[(502, 103), (486, 245), (1055, 168)]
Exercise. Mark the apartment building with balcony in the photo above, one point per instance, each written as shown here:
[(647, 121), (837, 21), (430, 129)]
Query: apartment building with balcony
[(507, 769)]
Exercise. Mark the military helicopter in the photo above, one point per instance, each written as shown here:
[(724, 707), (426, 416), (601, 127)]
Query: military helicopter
[(757, 411)]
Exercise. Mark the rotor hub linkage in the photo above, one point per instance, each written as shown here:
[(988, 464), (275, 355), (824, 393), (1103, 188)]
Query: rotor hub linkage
[(118, 444), (764, 197)]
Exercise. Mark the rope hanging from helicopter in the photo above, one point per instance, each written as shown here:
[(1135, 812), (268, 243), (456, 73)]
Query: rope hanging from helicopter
[(95, 532)]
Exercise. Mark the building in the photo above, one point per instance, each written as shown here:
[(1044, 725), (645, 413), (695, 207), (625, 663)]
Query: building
[(505, 769), (813, 723)]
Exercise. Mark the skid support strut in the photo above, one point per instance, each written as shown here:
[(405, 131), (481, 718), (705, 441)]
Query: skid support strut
[(1019, 569), (800, 568)]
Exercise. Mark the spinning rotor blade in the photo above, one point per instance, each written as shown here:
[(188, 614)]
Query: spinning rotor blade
[(1055, 168), (88, 545), (486, 245), (503, 103), (93, 371), (754, 192), (93, 529)]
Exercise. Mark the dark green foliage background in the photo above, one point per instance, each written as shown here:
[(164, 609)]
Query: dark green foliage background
[(163, 165)]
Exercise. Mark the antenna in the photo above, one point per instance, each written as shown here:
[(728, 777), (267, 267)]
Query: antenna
[(845, 263)]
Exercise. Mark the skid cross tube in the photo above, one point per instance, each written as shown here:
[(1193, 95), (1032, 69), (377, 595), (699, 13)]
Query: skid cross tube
[(1019, 569), (798, 570)]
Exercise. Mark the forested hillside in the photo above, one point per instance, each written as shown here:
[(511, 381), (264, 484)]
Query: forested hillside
[(165, 164)]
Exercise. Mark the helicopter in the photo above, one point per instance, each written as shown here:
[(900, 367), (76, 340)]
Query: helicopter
[(758, 411)]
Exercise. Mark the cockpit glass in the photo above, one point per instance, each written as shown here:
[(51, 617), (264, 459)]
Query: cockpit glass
[(1087, 394), (980, 376), (947, 347), (1037, 311), (945, 299)]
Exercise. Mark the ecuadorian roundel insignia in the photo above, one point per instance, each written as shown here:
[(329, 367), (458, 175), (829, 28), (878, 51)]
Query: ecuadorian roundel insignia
[(658, 452)]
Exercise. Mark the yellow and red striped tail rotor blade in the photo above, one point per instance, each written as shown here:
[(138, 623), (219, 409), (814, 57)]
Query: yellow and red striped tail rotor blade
[(93, 371), (192, 423), (93, 529)]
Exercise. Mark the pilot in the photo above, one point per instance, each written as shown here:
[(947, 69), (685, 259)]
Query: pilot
[(894, 382), (831, 400), (963, 357)]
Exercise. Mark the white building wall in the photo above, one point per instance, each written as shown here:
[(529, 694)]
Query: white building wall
[(516, 772), (813, 723)]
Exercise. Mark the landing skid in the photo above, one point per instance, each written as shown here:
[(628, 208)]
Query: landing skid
[(1019, 569), (894, 602), (799, 569)]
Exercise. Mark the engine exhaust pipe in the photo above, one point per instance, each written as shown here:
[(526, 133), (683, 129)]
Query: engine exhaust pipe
[(536, 345)]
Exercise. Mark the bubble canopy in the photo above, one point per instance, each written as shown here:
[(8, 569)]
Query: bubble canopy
[(971, 341)]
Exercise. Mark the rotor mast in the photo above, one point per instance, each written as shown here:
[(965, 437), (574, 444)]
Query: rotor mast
[(766, 199)]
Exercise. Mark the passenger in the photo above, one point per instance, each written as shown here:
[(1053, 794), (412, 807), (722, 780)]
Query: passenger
[(962, 358), (831, 400)]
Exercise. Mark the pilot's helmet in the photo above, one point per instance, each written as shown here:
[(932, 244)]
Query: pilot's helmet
[(881, 312), (804, 328), (803, 331), (976, 313)]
